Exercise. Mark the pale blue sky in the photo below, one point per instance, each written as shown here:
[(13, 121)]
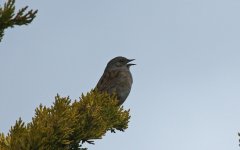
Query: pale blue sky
[(186, 87)]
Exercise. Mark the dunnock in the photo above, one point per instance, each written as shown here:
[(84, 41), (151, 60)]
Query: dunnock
[(117, 78)]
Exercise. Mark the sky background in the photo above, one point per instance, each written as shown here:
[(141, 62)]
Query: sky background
[(185, 94)]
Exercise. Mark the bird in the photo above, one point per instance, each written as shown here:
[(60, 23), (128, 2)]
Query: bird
[(117, 78)]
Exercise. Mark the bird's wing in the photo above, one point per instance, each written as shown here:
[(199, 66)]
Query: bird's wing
[(108, 81)]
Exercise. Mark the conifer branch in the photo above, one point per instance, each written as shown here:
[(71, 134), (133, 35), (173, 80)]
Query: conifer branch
[(67, 125), (9, 19)]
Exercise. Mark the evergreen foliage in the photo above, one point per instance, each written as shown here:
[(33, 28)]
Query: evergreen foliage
[(67, 125), (9, 19)]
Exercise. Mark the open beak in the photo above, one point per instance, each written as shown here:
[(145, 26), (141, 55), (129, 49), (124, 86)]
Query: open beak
[(130, 64)]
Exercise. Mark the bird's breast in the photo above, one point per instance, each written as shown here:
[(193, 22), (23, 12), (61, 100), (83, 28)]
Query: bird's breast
[(123, 77)]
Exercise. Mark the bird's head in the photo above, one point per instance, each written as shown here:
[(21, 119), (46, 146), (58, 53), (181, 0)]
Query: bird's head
[(120, 62)]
